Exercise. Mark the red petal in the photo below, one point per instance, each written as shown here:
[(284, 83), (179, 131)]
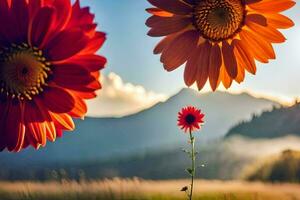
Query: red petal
[(81, 18), (80, 108), (63, 12), (8, 33), (20, 12), (66, 44), (41, 26), (36, 120), (33, 6), (57, 100), (94, 43), (90, 62), (71, 75), (14, 128)]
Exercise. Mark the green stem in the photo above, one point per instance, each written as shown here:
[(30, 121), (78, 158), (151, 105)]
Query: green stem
[(193, 164)]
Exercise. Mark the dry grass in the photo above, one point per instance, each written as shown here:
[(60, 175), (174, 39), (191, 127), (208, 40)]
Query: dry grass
[(146, 190)]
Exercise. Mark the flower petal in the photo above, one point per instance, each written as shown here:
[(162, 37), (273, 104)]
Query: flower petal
[(66, 44), (159, 12), (244, 57), (20, 12), (215, 62), (80, 107), (173, 6), (63, 12), (62, 122), (272, 6), (57, 100), (71, 76), (279, 21), (91, 62), (256, 18), (229, 59), (41, 26), (179, 50), (13, 127), (161, 26)]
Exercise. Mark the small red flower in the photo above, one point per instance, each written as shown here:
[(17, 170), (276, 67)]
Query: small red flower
[(48, 67), (190, 119)]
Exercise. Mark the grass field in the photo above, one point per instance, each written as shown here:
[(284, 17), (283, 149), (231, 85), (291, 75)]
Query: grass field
[(146, 190)]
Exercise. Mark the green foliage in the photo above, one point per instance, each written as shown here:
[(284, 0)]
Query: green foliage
[(278, 122), (282, 168)]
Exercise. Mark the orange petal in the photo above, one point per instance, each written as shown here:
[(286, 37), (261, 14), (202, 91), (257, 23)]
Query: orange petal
[(191, 68), (251, 1), (279, 21), (260, 51), (164, 43), (229, 59), (256, 18), (215, 62), (226, 79), (173, 6), (203, 65), (159, 12), (161, 26), (268, 33), (245, 59), (179, 50), (241, 73), (63, 121), (273, 6)]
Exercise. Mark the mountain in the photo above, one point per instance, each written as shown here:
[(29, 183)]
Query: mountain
[(154, 129), (270, 124)]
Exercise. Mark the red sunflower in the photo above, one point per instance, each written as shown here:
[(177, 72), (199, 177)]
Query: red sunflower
[(219, 40), (48, 67), (190, 119)]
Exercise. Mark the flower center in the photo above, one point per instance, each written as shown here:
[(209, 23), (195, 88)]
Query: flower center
[(219, 19), (23, 71), (190, 119)]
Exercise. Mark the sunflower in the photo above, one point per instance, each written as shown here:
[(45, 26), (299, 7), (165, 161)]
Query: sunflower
[(190, 119), (48, 67), (217, 39)]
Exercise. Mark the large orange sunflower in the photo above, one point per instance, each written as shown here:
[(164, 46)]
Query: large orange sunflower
[(217, 39), (48, 66)]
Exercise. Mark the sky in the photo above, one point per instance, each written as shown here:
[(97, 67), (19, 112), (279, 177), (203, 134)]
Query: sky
[(129, 52)]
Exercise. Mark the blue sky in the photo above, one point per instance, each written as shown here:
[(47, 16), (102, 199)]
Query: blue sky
[(129, 52)]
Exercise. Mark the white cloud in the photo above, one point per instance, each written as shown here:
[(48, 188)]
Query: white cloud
[(117, 98)]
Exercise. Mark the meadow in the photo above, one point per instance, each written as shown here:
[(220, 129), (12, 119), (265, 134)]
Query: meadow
[(136, 189)]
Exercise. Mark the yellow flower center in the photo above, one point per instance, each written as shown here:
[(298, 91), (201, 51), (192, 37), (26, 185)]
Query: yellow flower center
[(219, 20), (23, 71)]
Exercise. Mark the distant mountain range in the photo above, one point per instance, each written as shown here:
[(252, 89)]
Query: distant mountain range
[(153, 130), (278, 122)]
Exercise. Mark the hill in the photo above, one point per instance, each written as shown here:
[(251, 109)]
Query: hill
[(278, 122), (100, 140), (280, 168)]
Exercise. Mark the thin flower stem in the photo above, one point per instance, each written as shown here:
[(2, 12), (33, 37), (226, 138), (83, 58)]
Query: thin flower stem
[(192, 138)]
